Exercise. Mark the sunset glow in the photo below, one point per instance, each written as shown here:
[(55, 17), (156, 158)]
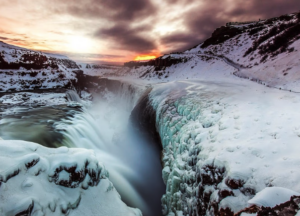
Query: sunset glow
[(120, 31), (144, 57)]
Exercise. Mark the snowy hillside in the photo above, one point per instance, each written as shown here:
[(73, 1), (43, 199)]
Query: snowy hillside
[(266, 51), (23, 69)]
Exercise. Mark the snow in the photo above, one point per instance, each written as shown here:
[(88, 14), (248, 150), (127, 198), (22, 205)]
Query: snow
[(34, 177), (272, 196), (44, 79), (36, 99), (280, 71), (99, 70), (240, 127)]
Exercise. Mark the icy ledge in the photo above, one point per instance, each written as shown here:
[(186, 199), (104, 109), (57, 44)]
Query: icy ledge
[(36, 180), (224, 143)]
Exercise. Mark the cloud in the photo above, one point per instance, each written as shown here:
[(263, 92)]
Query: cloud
[(203, 19), (179, 42), (127, 38), (129, 27), (112, 10), (113, 21)]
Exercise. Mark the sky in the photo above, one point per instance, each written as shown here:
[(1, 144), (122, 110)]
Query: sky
[(116, 31)]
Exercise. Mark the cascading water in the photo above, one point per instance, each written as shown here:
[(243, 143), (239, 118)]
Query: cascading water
[(73, 96), (132, 161)]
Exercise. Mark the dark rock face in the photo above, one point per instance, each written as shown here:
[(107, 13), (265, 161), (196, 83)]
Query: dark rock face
[(95, 84), (143, 117), (277, 39), (222, 34)]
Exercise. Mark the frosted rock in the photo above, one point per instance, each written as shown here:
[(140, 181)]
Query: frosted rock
[(272, 196)]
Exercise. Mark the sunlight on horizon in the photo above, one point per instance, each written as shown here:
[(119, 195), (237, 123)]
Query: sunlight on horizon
[(145, 57)]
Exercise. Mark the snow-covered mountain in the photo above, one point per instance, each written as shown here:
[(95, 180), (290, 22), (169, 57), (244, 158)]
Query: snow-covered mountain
[(23, 69)]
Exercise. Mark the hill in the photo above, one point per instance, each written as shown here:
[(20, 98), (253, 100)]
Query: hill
[(24, 69), (265, 51)]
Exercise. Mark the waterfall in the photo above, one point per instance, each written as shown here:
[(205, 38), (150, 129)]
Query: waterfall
[(73, 96), (132, 161)]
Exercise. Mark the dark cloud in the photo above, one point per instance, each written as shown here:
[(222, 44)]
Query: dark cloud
[(120, 14), (112, 10), (179, 42), (4, 38), (127, 38), (201, 21)]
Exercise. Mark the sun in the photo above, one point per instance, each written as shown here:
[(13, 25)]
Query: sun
[(144, 57), (80, 44)]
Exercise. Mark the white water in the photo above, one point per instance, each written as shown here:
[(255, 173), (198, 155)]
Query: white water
[(133, 162)]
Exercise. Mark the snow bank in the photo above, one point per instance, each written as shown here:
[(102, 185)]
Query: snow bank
[(40, 181)]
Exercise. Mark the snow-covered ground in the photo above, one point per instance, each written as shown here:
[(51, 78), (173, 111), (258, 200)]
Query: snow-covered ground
[(40, 181)]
